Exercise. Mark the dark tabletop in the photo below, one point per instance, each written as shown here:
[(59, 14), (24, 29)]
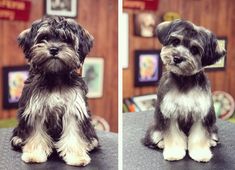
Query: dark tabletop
[(138, 157), (106, 158)]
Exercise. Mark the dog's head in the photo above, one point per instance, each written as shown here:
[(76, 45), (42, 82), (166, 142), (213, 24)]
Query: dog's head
[(55, 44), (187, 48)]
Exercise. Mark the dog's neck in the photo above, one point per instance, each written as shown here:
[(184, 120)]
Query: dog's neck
[(53, 80), (188, 82)]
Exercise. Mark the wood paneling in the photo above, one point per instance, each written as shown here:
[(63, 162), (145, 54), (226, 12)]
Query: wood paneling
[(100, 19), (216, 15)]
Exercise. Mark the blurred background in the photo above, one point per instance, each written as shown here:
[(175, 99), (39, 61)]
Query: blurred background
[(141, 66), (99, 17)]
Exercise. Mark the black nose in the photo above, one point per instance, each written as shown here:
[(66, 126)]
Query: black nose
[(54, 50), (177, 59)]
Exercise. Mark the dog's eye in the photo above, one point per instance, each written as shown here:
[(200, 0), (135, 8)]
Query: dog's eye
[(194, 50), (43, 38), (46, 38), (175, 41)]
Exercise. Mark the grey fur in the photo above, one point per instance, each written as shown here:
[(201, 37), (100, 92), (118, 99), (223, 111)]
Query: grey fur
[(53, 111), (184, 114)]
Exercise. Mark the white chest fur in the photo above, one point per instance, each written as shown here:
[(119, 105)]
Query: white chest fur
[(195, 102), (67, 101)]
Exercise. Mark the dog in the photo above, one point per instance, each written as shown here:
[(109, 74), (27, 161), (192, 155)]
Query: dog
[(184, 116), (53, 111)]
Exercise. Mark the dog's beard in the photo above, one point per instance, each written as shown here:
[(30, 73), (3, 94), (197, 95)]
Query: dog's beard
[(42, 61), (189, 66)]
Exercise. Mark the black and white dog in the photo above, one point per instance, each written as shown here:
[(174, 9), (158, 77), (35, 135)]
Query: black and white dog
[(53, 111), (184, 114)]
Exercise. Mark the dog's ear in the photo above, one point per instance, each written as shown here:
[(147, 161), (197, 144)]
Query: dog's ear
[(163, 31), (24, 40), (213, 51), (85, 43)]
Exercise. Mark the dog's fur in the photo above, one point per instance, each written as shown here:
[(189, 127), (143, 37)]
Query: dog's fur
[(184, 114), (53, 112)]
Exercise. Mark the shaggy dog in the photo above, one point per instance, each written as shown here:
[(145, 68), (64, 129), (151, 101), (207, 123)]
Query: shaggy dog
[(53, 112), (184, 114)]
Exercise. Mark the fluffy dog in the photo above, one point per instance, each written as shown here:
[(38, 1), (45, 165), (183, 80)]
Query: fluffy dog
[(184, 114), (53, 112)]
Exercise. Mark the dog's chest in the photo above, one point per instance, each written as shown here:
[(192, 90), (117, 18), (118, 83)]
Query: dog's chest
[(195, 102), (57, 104)]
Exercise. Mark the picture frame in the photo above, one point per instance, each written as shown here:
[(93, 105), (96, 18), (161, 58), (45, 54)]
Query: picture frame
[(145, 102), (66, 8), (13, 82), (145, 24), (148, 67), (221, 64), (93, 73)]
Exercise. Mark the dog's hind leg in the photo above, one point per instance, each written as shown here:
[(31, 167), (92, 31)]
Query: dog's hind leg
[(20, 133), (153, 138), (89, 133)]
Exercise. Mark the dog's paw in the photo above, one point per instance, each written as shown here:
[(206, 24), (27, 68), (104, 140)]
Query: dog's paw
[(16, 141), (94, 144), (160, 144), (34, 156), (201, 154), (214, 140), (173, 154), (77, 160)]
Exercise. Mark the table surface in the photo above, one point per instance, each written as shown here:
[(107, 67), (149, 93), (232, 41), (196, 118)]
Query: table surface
[(106, 158), (138, 157)]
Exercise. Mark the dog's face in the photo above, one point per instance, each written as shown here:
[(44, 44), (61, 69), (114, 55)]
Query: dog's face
[(55, 45), (187, 48)]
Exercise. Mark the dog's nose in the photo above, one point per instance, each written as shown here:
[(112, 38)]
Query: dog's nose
[(177, 59), (54, 50)]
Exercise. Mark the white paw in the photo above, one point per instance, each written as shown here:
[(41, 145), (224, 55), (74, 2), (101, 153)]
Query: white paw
[(213, 143), (201, 154), (92, 145), (173, 154), (16, 141), (214, 140), (36, 156), (77, 160), (160, 144)]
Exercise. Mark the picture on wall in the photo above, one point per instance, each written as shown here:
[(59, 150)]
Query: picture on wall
[(145, 102), (147, 67), (13, 82), (220, 65), (145, 24), (93, 73), (66, 8)]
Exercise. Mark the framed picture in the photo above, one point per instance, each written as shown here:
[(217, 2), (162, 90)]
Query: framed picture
[(93, 73), (66, 8), (13, 82), (145, 24), (220, 65), (147, 67), (145, 102)]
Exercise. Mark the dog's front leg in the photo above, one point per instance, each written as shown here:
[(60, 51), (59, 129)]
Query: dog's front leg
[(71, 146), (38, 146), (199, 143), (175, 142)]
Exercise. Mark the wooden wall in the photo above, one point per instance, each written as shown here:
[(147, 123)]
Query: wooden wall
[(216, 15), (99, 17)]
